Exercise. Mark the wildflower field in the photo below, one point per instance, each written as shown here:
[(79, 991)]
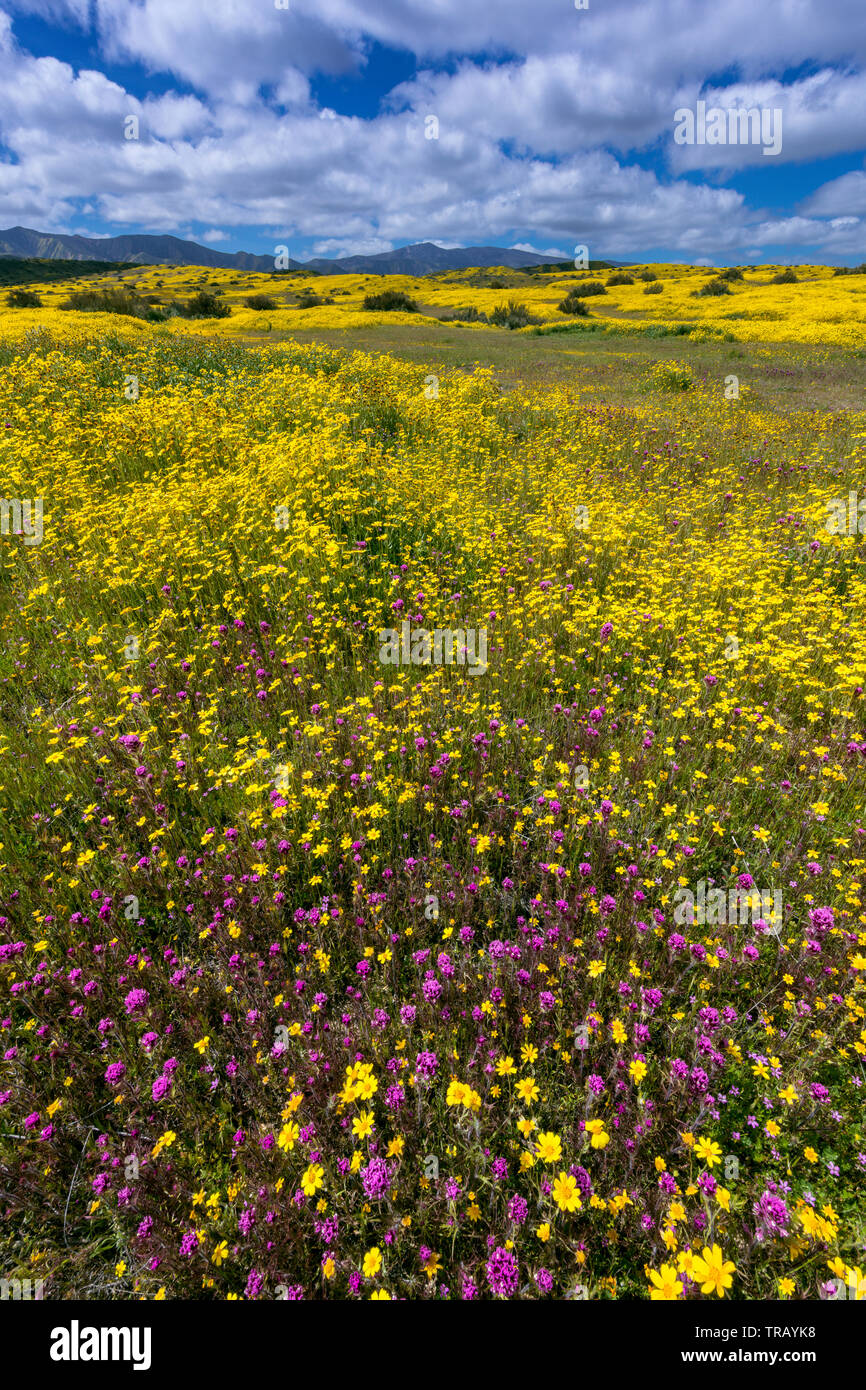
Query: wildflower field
[(815, 307), (333, 970)]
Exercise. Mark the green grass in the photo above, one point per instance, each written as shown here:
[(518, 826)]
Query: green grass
[(779, 376)]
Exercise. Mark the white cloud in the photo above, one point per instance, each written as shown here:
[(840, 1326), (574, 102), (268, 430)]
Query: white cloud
[(821, 115), (667, 40), (540, 143), (842, 196), (349, 246)]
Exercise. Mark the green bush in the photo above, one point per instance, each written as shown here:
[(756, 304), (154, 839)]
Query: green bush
[(110, 301), (464, 315), (733, 272), (308, 300), (655, 287), (512, 315), (712, 287), (391, 301), (620, 277), (785, 277), (24, 299), (203, 305), (647, 275), (573, 304), (587, 287), (260, 301)]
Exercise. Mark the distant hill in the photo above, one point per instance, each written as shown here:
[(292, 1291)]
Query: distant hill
[(15, 270), (569, 265), (422, 259), (425, 258), (132, 250)]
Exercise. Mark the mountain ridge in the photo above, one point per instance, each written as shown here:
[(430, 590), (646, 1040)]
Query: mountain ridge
[(422, 258)]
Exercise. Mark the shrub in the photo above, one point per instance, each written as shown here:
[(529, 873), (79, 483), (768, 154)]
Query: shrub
[(308, 300), (620, 277), (785, 277), (203, 305), (712, 287), (512, 315), (655, 287), (733, 272), (113, 301), (260, 301), (24, 299), (464, 315), (587, 287), (573, 304), (647, 275), (391, 301)]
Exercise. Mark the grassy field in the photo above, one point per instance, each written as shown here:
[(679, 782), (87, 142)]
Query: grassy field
[(432, 797), (782, 376)]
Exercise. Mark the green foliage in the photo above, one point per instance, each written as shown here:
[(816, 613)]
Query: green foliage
[(203, 305), (308, 300), (110, 301), (669, 330), (464, 315), (573, 304), (391, 301), (23, 299), (586, 288), (512, 315), (670, 376), (25, 270), (712, 287), (590, 325)]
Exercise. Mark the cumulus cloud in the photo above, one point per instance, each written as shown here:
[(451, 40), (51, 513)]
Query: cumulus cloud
[(663, 41), (547, 120), (844, 196)]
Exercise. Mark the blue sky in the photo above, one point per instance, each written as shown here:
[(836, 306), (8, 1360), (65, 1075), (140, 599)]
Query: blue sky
[(345, 126)]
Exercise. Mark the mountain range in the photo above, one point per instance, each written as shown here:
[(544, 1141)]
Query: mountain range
[(424, 258)]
